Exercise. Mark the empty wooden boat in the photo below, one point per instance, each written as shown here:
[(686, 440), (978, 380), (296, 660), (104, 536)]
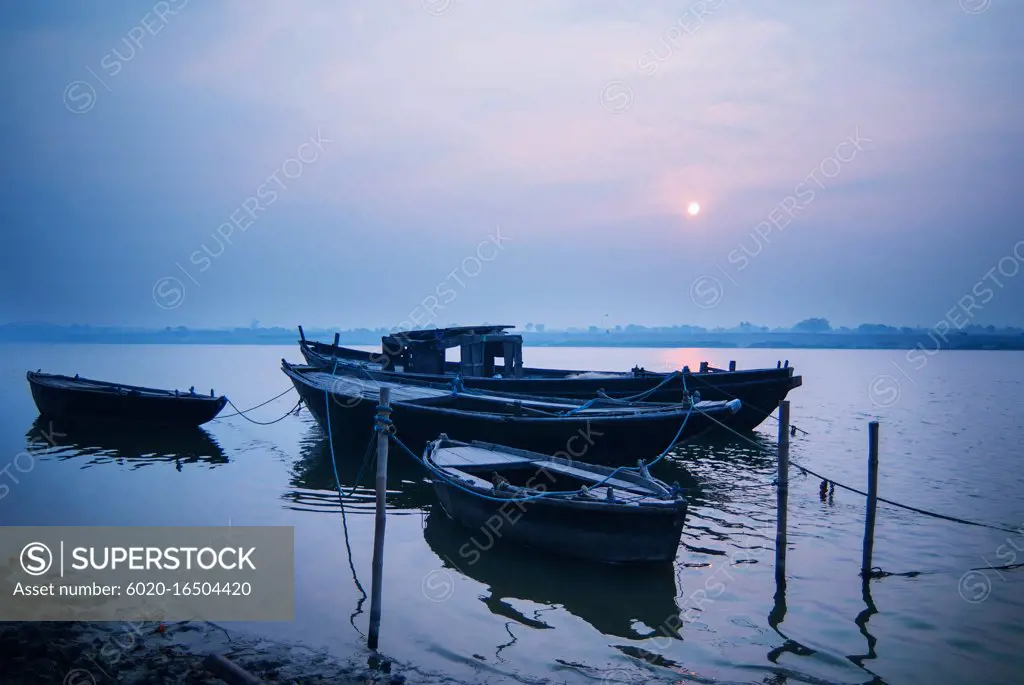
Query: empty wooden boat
[(557, 505), (72, 399), (491, 360), (601, 431)]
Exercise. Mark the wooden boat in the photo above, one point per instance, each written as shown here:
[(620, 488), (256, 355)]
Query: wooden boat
[(82, 400), (558, 505), (604, 431), (418, 357)]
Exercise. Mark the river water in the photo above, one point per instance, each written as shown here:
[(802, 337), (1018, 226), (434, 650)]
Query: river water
[(950, 442)]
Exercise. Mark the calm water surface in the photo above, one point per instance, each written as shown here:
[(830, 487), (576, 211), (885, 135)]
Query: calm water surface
[(950, 442)]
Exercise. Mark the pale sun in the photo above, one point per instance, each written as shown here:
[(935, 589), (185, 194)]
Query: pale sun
[(693, 209)]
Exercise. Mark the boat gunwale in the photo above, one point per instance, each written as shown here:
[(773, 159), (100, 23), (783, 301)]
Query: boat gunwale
[(648, 504), (605, 415), (81, 385), (537, 374)]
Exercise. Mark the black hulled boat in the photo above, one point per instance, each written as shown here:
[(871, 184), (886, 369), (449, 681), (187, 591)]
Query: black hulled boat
[(419, 357), (601, 431), (75, 400), (558, 505)]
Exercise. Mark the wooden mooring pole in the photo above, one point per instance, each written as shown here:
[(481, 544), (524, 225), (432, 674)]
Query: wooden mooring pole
[(782, 499), (872, 506), (383, 433)]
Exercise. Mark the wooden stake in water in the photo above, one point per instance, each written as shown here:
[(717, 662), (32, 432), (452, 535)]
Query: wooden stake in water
[(869, 520), (383, 426), (782, 498)]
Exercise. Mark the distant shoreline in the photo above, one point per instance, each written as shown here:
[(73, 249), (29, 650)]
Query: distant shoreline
[(928, 341)]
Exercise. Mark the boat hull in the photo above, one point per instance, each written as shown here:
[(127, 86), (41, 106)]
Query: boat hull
[(610, 440), (760, 390), (84, 407), (595, 533)]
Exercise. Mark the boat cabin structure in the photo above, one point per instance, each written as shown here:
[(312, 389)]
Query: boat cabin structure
[(480, 347)]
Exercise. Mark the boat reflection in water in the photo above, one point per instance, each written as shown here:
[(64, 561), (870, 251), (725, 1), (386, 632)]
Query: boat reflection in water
[(314, 487), (624, 601), (124, 444)]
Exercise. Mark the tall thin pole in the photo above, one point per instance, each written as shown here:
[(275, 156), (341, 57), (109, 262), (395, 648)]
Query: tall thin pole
[(869, 520), (782, 499), (382, 425)]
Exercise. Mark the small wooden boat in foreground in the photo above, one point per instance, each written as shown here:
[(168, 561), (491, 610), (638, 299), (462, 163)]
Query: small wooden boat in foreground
[(558, 505), (601, 431), (73, 399)]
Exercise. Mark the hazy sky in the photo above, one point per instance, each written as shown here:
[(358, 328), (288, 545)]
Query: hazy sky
[(854, 160)]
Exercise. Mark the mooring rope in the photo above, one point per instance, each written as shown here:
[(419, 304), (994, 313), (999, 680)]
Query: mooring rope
[(639, 397), (341, 500), (448, 479), (261, 404), (890, 502), (265, 423), (906, 506), (770, 414)]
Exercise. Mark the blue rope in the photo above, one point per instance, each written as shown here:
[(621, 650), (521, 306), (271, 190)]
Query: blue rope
[(330, 436), (385, 425), (647, 393), (586, 405), (541, 495)]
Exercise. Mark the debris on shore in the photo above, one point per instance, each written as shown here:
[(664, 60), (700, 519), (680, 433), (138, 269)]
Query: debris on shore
[(148, 653)]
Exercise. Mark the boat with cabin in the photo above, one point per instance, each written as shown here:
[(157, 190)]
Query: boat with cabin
[(491, 359)]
